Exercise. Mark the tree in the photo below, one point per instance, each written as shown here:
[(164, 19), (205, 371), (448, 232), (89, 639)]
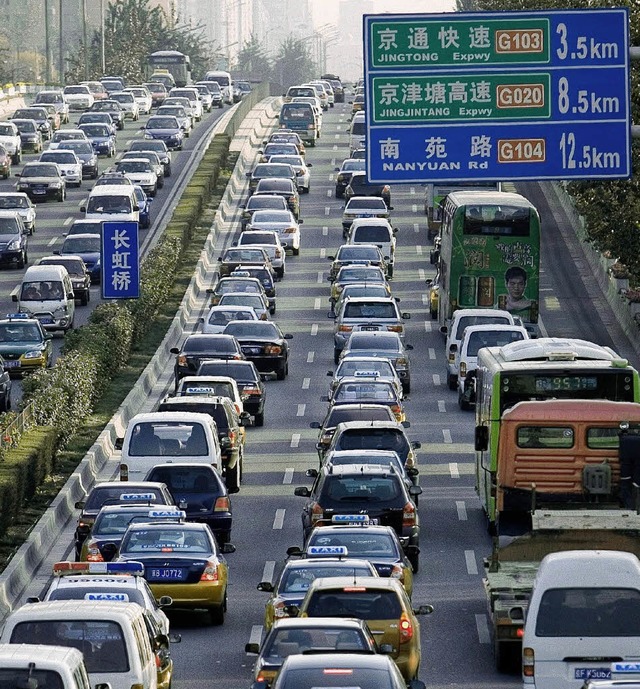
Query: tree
[(252, 61), (293, 65)]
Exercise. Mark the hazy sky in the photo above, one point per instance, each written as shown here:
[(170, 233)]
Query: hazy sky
[(325, 11)]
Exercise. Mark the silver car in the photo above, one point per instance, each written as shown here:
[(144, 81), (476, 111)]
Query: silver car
[(281, 222)]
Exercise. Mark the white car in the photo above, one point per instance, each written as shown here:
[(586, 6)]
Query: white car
[(142, 97), (66, 135), (178, 111), (189, 106), (363, 207), (376, 231), (20, 202), (205, 96), (190, 92), (78, 97), (10, 139), (56, 98), (140, 171), (218, 317), (128, 103), (68, 162), (220, 386), (298, 163), (270, 241), (281, 222)]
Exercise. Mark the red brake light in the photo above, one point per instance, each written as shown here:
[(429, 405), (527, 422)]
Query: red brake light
[(409, 514), (210, 572), (406, 629), (222, 505)]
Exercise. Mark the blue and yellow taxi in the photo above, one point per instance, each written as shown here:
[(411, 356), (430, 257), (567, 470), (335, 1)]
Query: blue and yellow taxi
[(296, 576), (24, 344), (183, 561), (111, 524)]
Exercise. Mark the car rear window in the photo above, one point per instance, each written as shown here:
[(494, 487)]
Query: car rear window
[(202, 345), (374, 439), (496, 338), (374, 309), (363, 604), (338, 415), (466, 321), (120, 493), (371, 234), (237, 370)]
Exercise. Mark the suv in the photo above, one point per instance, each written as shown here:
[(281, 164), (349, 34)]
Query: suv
[(377, 494), (197, 347), (376, 231), (13, 240), (230, 426), (366, 314)]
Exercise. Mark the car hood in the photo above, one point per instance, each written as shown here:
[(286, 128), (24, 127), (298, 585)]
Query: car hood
[(40, 180), (19, 347)]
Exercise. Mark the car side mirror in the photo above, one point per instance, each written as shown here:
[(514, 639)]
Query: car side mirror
[(227, 548), (174, 350), (406, 424), (79, 505), (14, 297), (174, 637), (33, 599), (311, 473), (265, 586), (416, 444), (300, 221), (288, 336), (252, 648), (415, 491), (423, 610), (314, 424), (444, 329), (409, 347), (302, 492), (292, 610), (481, 439), (118, 443), (294, 551), (406, 316)]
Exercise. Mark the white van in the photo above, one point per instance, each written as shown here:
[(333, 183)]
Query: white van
[(473, 339), (112, 637), (112, 203), (49, 666), (461, 319), (583, 619), (357, 133), (46, 293), (376, 231), (225, 81), (161, 437)]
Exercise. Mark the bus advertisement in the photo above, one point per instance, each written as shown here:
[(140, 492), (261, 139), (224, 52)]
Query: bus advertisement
[(489, 255), (174, 62), (539, 369)]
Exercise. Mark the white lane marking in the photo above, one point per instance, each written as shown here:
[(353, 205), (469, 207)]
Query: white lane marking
[(287, 480), (414, 207), (425, 298), (295, 440), (333, 162), (327, 210), (436, 379), (421, 274), (432, 353), (306, 382), (419, 250), (416, 227), (428, 326), (446, 434), (329, 192), (323, 252), (301, 409), (461, 509), (256, 632), (412, 190), (453, 470), (317, 303), (331, 177), (314, 329), (51, 242), (470, 559), (441, 407), (267, 572), (335, 147), (68, 221), (325, 231), (128, 143), (278, 521), (482, 627), (320, 277), (310, 357)]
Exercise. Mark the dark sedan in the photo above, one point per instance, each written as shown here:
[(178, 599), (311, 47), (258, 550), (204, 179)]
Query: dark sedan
[(359, 185), (30, 136), (263, 343), (281, 187), (349, 166), (40, 181), (88, 157), (167, 129), (113, 108), (236, 256), (39, 115), (198, 347)]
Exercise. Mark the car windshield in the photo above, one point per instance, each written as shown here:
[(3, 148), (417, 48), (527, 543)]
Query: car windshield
[(78, 147), (20, 332), (166, 540), (134, 166), (162, 123), (375, 367), (368, 203), (96, 130), (40, 171), (210, 343), (109, 204), (371, 234), (14, 202), (257, 202), (168, 438), (26, 126), (58, 157), (255, 329), (272, 216), (81, 245)]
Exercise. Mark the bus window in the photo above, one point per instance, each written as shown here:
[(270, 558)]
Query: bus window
[(496, 220), (545, 437)]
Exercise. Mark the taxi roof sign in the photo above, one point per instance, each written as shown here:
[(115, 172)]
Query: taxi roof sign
[(115, 597), (167, 514), (132, 568), (18, 316), (145, 497), (328, 550), (350, 518)]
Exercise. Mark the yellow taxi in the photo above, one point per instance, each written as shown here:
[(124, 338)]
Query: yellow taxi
[(296, 576), (358, 104), (182, 561), (382, 603)]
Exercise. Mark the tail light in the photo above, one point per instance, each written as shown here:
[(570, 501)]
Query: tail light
[(345, 328), (397, 411), (278, 610), (233, 438), (406, 628), (237, 356), (290, 230), (251, 390), (93, 553), (386, 189), (124, 472), (316, 513), (273, 349), (210, 572), (409, 515), (463, 369), (182, 360), (395, 328), (222, 505), (528, 662), (397, 572)]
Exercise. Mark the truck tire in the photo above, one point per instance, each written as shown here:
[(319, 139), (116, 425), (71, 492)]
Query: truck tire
[(506, 658), (452, 381)]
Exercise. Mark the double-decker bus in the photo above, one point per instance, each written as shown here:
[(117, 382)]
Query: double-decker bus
[(540, 369), (488, 255), (436, 192), (176, 63)]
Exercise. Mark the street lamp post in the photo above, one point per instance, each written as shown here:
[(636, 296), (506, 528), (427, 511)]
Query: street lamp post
[(47, 44), (60, 45), (102, 42), (84, 39)]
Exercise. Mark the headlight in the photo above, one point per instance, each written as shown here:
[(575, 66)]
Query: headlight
[(56, 185), (60, 312), (33, 354), (13, 245), (148, 136)]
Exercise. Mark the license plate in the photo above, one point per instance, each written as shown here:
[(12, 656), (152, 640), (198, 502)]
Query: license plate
[(585, 673), (39, 191), (11, 364), (166, 574), (372, 328), (45, 320), (251, 350)]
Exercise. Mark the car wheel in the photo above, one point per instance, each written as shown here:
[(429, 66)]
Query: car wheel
[(336, 356), (84, 299), (217, 613), (415, 562), (281, 373), (259, 419), (452, 381), (406, 386), (296, 252), (231, 479)]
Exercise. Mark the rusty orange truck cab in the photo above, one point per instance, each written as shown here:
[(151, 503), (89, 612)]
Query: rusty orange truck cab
[(566, 454)]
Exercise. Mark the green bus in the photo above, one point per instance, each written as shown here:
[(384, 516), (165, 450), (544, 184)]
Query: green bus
[(488, 255), (539, 369), (176, 63)]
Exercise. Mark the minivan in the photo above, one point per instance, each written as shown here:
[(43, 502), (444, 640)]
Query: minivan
[(225, 81), (55, 666), (46, 293), (112, 637), (300, 118), (376, 231), (357, 132), (583, 618), (112, 203)]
